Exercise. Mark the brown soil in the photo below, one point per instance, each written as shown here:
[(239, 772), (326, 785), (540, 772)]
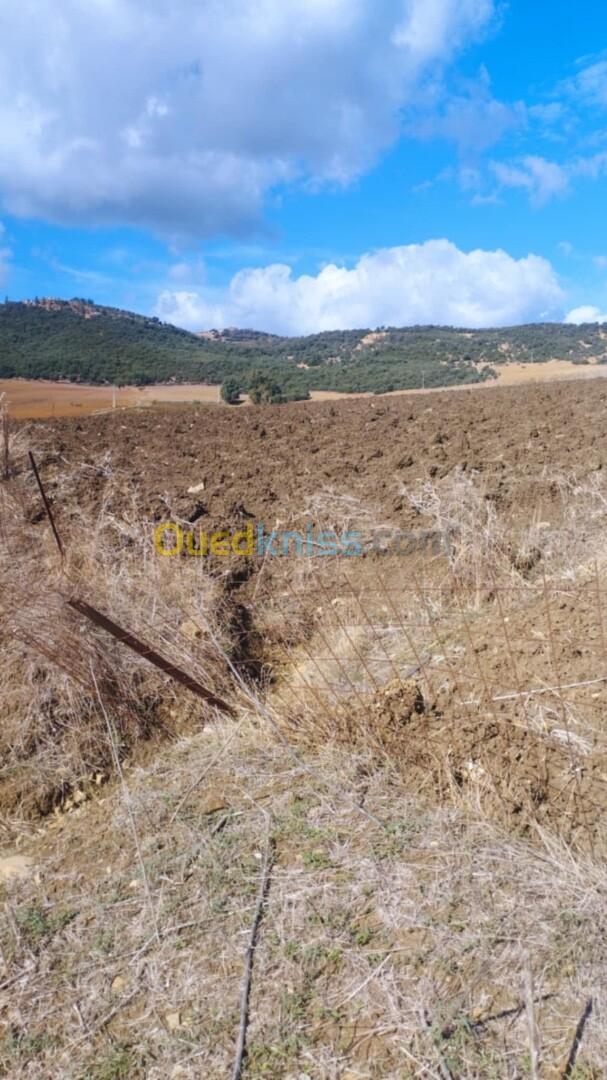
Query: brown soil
[(267, 460), (516, 775), (419, 877), (263, 464)]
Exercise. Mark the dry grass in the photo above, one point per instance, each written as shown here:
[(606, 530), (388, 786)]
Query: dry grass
[(386, 950), (405, 914), (479, 546), (506, 639), (487, 548), (53, 739)]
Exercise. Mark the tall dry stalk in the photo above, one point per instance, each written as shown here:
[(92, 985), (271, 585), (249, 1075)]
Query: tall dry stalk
[(53, 734)]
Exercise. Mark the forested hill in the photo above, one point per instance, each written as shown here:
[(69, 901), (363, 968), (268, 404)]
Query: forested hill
[(78, 340)]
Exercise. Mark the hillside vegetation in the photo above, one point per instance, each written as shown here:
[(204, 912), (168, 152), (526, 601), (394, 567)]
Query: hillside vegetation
[(81, 341)]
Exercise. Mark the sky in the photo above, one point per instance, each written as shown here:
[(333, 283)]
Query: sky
[(305, 165)]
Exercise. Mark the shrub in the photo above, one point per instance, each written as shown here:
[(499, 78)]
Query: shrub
[(230, 391)]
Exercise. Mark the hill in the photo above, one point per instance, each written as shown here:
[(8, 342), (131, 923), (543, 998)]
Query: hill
[(82, 341)]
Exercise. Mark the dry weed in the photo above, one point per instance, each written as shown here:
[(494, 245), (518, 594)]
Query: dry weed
[(488, 548), (53, 739), (385, 951)]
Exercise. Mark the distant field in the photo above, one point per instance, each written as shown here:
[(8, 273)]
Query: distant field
[(33, 399), (37, 399), (516, 374)]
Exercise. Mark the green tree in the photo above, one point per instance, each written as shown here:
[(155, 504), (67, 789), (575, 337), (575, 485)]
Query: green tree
[(263, 390), (230, 391)]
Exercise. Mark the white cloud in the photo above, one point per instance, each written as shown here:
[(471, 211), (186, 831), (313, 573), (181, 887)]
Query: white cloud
[(415, 284), (186, 271), (592, 167), (585, 314), (589, 86), (545, 180), (474, 120), (547, 115), (541, 178), (182, 116), (568, 121), (438, 26)]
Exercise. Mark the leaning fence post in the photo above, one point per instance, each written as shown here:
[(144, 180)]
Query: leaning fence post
[(142, 649), (47, 505)]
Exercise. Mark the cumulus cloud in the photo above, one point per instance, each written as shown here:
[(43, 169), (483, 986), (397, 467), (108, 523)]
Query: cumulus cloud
[(426, 283), (183, 116), (585, 314)]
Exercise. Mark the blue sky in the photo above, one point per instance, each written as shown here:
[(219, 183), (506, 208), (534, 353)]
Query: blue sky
[(300, 165)]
